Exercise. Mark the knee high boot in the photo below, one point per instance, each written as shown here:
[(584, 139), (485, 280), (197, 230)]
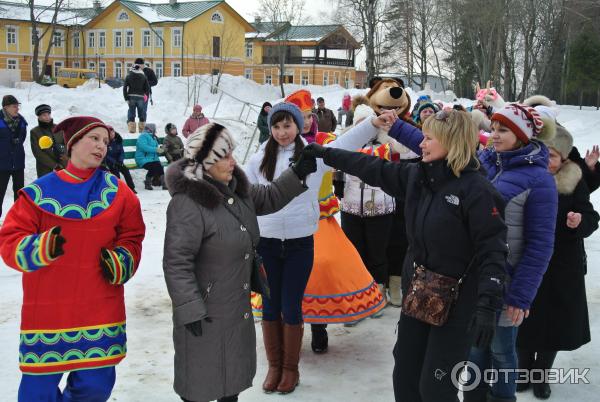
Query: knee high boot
[(526, 358), (292, 343), (543, 361), (148, 183), (273, 340), (320, 341)]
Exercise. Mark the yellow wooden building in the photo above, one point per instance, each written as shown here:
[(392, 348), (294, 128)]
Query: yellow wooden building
[(176, 39)]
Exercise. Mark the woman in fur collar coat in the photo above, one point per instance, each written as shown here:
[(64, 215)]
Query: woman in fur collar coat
[(209, 248), (559, 315)]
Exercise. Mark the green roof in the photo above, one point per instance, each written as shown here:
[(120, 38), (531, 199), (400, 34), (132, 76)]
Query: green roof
[(170, 12), (310, 32)]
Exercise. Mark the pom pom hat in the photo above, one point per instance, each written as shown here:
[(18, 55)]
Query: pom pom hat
[(302, 99), (525, 122), (74, 128)]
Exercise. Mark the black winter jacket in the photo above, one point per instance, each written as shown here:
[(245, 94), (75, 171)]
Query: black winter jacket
[(592, 178), (450, 221), (151, 77), (136, 84)]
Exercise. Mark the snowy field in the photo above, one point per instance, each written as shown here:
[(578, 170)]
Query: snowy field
[(359, 364)]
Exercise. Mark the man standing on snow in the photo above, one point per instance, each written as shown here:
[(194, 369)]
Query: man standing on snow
[(327, 121), (47, 147), (136, 91), (152, 80), (13, 130)]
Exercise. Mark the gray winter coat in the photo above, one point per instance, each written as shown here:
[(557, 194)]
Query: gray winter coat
[(208, 257)]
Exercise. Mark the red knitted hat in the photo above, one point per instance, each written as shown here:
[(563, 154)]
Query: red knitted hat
[(522, 120), (74, 128)]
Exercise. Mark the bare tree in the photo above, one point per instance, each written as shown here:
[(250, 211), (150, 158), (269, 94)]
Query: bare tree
[(35, 15), (282, 11)]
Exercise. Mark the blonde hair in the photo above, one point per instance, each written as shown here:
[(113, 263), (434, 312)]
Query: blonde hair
[(456, 132)]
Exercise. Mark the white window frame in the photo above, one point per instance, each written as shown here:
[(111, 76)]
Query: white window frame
[(268, 78), (217, 18), (12, 31), (122, 13), (91, 65), (176, 37), (248, 73), (118, 69), (129, 34), (39, 31), (76, 40), (146, 38), (249, 49), (158, 37), (15, 64), (175, 66), (336, 78), (101, 35), (55, 66), (76, 64), (58, 34), (325, 78), (159, 69), (91, 39), (102, 70), (117, 33), (304, 81)]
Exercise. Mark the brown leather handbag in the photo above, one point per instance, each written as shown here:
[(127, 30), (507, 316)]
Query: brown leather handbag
[(431, 296)]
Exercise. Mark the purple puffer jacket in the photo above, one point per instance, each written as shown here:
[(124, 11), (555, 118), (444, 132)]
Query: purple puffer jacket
[(529, 190)]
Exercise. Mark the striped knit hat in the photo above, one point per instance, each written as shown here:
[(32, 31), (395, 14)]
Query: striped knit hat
[(74, 128), (522, 120), (205, 147)]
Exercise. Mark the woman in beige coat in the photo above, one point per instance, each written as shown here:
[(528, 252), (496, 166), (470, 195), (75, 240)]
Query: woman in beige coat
[(209, 247)]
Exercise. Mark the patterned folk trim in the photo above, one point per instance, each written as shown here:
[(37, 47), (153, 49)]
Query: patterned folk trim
[(328, 206), (33, 252), (85, 213), (121, 264), (71, 335), (72, 356)]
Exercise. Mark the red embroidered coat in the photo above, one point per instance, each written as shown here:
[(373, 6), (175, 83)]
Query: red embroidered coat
[(72, 317)]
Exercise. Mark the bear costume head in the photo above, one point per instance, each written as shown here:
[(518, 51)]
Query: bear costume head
[(389, 94)]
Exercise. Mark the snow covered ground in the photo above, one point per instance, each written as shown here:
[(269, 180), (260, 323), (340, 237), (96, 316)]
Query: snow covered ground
[(359, 364)]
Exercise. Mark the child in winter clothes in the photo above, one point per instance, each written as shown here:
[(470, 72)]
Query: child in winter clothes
[(115, 158), (47, 147), (147, 154), (172, 144), (286, 244), (517, 166), (262, 124), (194, 122), (454, 226), (559, 314), (75, 255)]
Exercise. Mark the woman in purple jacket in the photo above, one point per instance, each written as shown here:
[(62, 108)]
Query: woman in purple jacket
[(517, 166)]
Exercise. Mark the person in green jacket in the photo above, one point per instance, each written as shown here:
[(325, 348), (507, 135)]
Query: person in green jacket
[(172, 145), (262, 123), (47, 147)]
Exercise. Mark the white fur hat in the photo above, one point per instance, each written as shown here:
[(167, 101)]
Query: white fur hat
[(206, 146)]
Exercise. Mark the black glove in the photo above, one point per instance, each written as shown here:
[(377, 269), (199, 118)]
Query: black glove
[(304, 165), (338, 183), (483, 325), (314, 150), (196, 327), (56, 242)]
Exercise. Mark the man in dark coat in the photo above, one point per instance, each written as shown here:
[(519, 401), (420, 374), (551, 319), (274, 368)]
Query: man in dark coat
[(13, 131), (326, 119), (152, 79), (48, 148), (136, 92)]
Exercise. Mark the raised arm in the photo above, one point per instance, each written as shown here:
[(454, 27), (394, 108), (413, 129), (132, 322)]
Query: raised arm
[(407, 134)]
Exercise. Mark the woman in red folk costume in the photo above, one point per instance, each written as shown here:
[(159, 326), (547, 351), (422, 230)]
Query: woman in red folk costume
[(76, 234)]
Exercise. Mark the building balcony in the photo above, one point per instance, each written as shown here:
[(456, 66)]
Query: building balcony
[(309, 60)]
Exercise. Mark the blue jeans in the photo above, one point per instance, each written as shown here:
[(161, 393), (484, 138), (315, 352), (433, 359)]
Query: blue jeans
[(93, 385), (501, 354), (136, 103), (288, 264)]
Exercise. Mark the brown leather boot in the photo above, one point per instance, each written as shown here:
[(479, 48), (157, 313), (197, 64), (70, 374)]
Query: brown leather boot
[(272, 337), (131, 127), (292, 343)]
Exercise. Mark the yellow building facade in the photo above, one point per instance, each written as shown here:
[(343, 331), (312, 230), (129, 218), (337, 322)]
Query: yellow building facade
[(176, 39)]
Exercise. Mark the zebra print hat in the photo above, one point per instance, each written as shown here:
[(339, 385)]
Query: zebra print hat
[(205, 147)]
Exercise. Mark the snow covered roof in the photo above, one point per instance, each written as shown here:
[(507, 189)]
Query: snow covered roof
[(20, 12), (305, 33), (275, 31), (170, 12), (265, 29)]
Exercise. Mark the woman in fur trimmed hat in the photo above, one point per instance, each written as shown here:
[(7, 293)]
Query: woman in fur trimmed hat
[(559, 315), (76, 253), (517, 165), (209, 251)]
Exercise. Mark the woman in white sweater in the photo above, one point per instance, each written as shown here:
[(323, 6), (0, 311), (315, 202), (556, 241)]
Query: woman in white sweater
[(286, 243)]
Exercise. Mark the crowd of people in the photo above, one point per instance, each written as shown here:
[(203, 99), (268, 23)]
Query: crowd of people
[(472, 220)]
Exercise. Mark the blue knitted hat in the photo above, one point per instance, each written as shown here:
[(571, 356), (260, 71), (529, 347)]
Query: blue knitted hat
[(291, 109)]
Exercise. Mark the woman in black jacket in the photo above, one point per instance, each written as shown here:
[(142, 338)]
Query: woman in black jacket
[(454, 228), (559, 315)]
